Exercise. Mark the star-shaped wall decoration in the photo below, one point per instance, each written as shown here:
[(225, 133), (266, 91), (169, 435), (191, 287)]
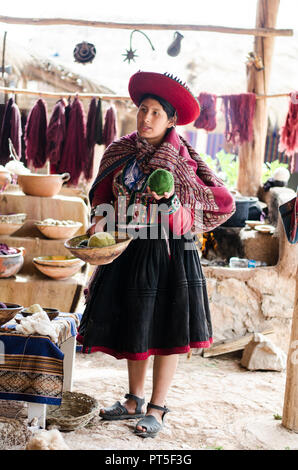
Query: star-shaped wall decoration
[(130, 55)]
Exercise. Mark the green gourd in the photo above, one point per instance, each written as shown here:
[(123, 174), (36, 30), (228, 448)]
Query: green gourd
[(101, 239), (161, 181)]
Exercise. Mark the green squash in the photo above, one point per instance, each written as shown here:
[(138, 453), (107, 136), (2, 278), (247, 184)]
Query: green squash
[(161, 181)]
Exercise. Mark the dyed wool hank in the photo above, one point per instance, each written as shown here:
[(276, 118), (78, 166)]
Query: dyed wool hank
[(207, 117), (11, 128), (56, 133), (239, 112), (36, 135), (289, 132)]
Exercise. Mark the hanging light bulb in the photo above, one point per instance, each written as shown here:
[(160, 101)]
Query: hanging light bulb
[(175, 46)]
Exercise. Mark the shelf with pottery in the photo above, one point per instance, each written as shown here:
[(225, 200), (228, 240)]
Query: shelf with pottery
[(60, 206), (29, 285)]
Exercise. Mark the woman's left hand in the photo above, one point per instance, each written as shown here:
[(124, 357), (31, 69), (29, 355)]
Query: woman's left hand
[(161, 196)]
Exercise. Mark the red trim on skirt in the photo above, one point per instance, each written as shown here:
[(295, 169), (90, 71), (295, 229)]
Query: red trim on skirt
[(144, 355)]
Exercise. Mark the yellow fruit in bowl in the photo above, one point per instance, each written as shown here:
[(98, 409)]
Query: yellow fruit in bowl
[(101, 239)]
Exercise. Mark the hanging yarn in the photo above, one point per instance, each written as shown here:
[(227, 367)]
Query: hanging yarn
[(289, 132), (56, 133), (36, 135), (75, 150), (239, 112), (91, 138), (99, 129), (11, 129), (110, 127), (207, 117)]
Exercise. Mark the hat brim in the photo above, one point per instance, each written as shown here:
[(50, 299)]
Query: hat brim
[(186, 105)]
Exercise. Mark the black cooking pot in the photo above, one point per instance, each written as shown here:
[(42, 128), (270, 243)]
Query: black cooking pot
[(243, 203)]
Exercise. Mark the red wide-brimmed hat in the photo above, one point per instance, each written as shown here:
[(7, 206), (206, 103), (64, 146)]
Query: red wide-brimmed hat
[(170, 89)]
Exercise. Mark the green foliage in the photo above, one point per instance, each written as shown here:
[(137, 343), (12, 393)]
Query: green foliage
[(226, 166)]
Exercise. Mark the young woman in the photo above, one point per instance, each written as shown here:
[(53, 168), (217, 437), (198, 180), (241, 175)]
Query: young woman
[(152, 300)]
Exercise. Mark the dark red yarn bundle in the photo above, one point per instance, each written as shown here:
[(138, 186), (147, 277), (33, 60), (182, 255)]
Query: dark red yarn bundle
[(110, 127), (36, 135), (207, 117), (11, 129), (75, 150), (289, 132), (56, 133), (239, 112), (91, 138)]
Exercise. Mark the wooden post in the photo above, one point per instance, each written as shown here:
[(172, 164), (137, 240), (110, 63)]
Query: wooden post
[(290, 410), (251, 154)]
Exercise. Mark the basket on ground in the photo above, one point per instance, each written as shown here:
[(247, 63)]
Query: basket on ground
[(7, 314), (98, 256), (75, 411)]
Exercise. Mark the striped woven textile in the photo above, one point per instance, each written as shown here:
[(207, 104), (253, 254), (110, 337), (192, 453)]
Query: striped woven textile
[(31, 369)]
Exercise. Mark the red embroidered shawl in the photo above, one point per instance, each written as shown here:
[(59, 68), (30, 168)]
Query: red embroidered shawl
[(195, 183)]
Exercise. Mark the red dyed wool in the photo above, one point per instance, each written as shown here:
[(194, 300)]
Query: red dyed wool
[(110, 127), (11, 128), (239, 113), (75, 150), (207, 117), (91, 138), (36, 135), (56, 133), (289, 132)]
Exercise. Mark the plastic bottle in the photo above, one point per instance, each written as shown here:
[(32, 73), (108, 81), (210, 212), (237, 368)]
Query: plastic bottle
[(245, 263)]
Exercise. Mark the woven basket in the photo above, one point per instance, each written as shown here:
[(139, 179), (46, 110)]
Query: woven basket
[(75, 411), (14, 434)]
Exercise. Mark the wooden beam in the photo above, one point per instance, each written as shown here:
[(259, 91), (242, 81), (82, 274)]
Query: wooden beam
[(290, 408), (260, 31), (251, 154), (64, 93), (231, 345)]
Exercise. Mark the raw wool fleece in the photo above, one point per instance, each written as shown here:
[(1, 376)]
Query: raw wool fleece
[(47, 440), (36, 135), (38, 323)]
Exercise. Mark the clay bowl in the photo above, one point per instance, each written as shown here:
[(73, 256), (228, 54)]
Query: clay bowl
[(51, 312), (42, 185), (10, 265), (254, 223), (7, 314), (10, 223), (59, 272), (98, 256), (58, 231), (57, 260)]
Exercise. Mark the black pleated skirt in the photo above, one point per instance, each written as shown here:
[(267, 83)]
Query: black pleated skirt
[(151, 300)]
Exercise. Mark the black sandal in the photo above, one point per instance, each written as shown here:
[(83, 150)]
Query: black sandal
[(118, 411), (150, 422)]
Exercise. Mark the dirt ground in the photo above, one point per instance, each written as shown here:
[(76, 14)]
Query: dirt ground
[(214, 403)]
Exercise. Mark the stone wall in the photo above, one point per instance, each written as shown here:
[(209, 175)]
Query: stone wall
[(247, 300)]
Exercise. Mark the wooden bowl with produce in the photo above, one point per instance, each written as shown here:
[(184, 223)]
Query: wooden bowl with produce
[(101, 248)]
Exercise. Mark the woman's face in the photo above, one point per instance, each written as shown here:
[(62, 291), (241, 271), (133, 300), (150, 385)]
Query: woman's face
[(152, 121)]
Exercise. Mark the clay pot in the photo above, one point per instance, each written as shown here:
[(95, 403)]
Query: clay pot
[(10, 265), (42, 185)]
